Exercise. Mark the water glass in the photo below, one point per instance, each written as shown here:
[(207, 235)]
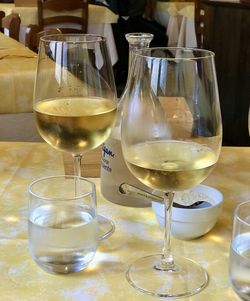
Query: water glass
[(63, 228), (239, 262)]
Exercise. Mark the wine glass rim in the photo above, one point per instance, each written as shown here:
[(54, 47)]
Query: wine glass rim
[(205, 54), (56, 38), (237, 213), (42, 196)]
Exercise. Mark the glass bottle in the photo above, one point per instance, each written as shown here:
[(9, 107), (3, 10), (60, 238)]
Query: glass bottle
[(114, 171)]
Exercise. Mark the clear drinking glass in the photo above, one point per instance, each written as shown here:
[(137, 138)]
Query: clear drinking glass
[(63, 228), (171, 140), (239, 261), (75, 97)]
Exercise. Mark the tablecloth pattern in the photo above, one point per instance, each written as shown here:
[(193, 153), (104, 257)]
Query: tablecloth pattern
[(137, 234)]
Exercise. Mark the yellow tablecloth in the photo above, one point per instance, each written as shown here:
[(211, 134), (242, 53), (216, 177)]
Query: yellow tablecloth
[(17, 75), (137, 234)]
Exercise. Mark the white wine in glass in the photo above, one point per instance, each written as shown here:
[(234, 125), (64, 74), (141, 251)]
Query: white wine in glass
[(171, 141), (75, 97), (82, 123)]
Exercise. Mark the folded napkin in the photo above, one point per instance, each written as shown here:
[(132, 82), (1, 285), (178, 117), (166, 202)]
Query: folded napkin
[(187, 11), (172, 9), (17, 52)]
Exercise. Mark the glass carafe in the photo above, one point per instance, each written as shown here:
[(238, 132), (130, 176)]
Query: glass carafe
[(114, 171)]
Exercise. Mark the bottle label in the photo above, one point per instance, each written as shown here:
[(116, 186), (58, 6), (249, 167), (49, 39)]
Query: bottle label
[(107, 154), (115, 172)]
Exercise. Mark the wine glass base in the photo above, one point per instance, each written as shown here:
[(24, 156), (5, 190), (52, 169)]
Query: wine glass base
[(187, 279), (106, 227)]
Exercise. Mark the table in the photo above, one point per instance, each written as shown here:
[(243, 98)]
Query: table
[(178, 18), (17, 75), (137, 234), (99, 22)]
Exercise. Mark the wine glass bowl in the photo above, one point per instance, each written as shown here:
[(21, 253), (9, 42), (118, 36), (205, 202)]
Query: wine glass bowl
[(75, 96), (173, 104), (74, 99), (80, 133)]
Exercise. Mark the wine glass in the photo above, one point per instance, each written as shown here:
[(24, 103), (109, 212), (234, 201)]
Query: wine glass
[(75, 97), (171, 140)]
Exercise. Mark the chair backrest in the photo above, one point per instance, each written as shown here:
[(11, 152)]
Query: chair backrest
[(2, 15), (199, 22), (33, 35), (60, 14), (12, 23)]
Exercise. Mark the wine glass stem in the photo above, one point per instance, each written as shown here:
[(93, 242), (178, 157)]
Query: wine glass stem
[(77, 170), (77, 164), (167, 261)]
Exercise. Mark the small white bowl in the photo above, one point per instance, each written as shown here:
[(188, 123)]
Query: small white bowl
[(193, 222)]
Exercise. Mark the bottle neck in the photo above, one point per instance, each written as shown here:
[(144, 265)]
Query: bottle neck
[(136, 41), (133, 47)]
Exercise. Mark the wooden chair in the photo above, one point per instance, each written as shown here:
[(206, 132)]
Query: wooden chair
[(2, 15), (62, 15), (33, 35), (12, 23), (199, 23)]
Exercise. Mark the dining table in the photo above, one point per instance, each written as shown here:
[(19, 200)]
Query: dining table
[(17, 76), (137, 233)]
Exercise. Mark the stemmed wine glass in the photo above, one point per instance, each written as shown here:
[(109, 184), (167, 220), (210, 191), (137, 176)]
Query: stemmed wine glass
[(171, 140), (75, 97)]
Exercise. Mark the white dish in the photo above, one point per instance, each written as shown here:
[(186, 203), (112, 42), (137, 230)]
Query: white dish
[(190, 223)]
